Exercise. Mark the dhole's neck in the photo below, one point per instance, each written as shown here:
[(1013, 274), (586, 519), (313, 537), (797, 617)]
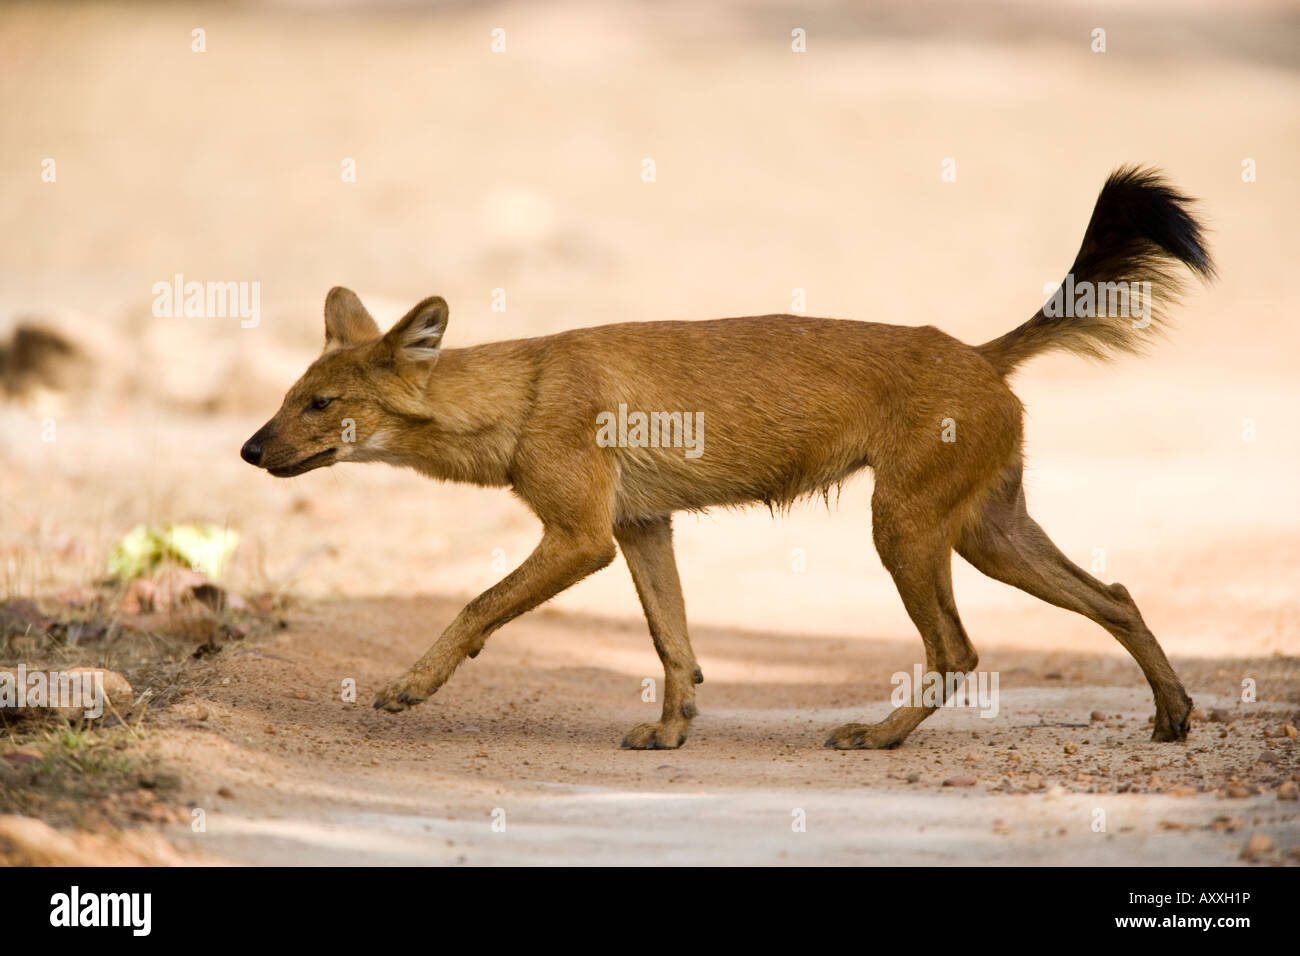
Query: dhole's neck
[(466, 422)]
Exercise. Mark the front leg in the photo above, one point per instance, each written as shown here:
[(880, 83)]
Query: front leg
[(561, 559), (647, 545)]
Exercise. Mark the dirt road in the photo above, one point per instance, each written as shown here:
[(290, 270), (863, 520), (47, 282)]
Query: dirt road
[(516, 760)]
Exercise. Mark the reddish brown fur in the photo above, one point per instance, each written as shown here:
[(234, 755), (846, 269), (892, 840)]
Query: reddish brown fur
[(791, 406)]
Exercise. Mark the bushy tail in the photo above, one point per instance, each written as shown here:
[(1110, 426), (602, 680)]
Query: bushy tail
[(1124, 279)]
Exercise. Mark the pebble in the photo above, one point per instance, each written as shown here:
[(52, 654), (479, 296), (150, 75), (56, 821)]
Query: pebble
[(117, 693), (960, 782), (1237, 791), (1071, 749), (1290, 731), (1287, 791), (1257, 847), (1097, 716), (25, 756)]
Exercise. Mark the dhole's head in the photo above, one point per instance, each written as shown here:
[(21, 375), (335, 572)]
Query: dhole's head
[(362, 382)]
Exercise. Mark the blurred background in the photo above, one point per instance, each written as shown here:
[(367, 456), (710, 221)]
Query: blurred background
[(517, 175)]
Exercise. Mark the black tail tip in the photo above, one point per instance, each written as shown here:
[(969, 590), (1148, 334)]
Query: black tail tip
[(1139, 201)]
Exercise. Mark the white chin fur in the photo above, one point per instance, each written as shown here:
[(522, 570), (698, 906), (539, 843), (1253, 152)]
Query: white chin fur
[(372, 447)]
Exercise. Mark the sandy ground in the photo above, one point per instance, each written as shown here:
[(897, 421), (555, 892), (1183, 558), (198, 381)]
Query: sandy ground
[(286, 770), (775, 172)]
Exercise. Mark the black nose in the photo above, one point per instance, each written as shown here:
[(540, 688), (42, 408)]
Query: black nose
[(251, 452)]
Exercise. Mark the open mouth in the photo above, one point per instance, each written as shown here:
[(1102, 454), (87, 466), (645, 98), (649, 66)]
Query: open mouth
[(307, 464)]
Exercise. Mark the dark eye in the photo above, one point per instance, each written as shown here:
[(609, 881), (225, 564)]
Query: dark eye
[(320, 404)]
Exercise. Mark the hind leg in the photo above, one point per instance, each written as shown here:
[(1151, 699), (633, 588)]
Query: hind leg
[(1008, 545), (918, 555)]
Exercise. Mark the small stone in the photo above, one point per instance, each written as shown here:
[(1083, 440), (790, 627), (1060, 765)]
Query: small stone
[(1257, 847), (1198, 714), (1290, 731), (1097, 716), (120, 698), (1219, 716), (1287, 791), (24, 756), (1071, 749), (1237, 792), (960, 782), (226, 792), (100, 693)]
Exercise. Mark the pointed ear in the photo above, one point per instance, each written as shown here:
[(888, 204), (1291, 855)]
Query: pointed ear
[(416, 339), (346, 320)]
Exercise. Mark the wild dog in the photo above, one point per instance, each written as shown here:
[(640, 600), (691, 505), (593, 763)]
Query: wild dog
[(793, 405)]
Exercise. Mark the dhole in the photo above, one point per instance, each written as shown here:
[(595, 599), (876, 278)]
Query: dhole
[(793, 405)]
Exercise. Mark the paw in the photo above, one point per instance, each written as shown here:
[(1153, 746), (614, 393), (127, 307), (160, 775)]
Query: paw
[(863, 737), (1173, 724), (656, 736), (405, 692)]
